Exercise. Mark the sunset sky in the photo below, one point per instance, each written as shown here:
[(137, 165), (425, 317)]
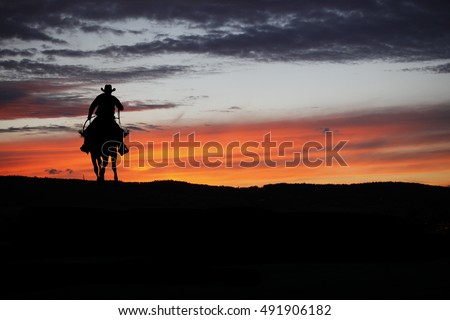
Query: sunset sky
[(373, 75)]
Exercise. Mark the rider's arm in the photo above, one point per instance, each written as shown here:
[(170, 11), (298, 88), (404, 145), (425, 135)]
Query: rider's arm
[(119, 104), (92, 107)]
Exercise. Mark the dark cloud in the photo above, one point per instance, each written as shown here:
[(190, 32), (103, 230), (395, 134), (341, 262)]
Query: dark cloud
[(67, 53), (139, 106), (96, 28), (441, 68), (143, 127), (11, 28), (10, 94), (192, 98), (17, 52), (27, 68), (137, 73), (135, 128), (100, 29), (315, 30), (41, 129), (298, 40), (57, 171), (37, 69), (53, 171), (230, 109)]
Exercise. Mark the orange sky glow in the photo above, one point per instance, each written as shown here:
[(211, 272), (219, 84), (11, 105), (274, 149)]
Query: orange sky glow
[(405, 145)]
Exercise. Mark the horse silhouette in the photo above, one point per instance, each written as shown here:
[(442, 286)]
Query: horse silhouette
[(104, 146)]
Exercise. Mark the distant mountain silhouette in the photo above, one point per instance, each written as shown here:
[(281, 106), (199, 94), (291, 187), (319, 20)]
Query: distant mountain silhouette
[(396, 198), (77, 239)]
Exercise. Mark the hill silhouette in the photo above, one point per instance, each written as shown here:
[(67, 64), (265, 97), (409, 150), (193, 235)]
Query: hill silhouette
[(76, 239)]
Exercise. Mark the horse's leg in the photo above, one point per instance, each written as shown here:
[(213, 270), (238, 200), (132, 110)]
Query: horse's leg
[(104, 164), (95, 164), (114, 167), (101, 171)]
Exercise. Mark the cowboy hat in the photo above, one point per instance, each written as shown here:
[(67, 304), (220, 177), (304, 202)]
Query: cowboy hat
[(108, 88)]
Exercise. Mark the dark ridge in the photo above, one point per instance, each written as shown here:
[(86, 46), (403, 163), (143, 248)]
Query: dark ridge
[(408, 199), (76, 239)]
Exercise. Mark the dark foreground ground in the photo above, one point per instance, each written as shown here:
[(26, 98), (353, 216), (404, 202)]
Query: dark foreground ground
[(74, 239)]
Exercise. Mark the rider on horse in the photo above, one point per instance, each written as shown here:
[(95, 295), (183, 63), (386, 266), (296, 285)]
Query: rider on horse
[(104, 123)]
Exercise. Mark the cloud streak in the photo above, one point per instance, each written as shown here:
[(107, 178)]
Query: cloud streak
[(29, 69), (441, 68), (141, 106), (40, 129)]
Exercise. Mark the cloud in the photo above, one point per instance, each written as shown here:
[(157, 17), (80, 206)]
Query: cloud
[(140, 106), (193, 98), (11, 28), (314, 30), (57, 171), (8, 94), (27, 68), (53, 171), (17, 52), (100, 29), (41, 129), (441, 68), (228, 110), (298, 41), (143, 127)]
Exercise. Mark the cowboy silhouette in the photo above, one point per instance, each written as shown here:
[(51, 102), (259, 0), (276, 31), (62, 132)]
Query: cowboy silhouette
[(104, 123)]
